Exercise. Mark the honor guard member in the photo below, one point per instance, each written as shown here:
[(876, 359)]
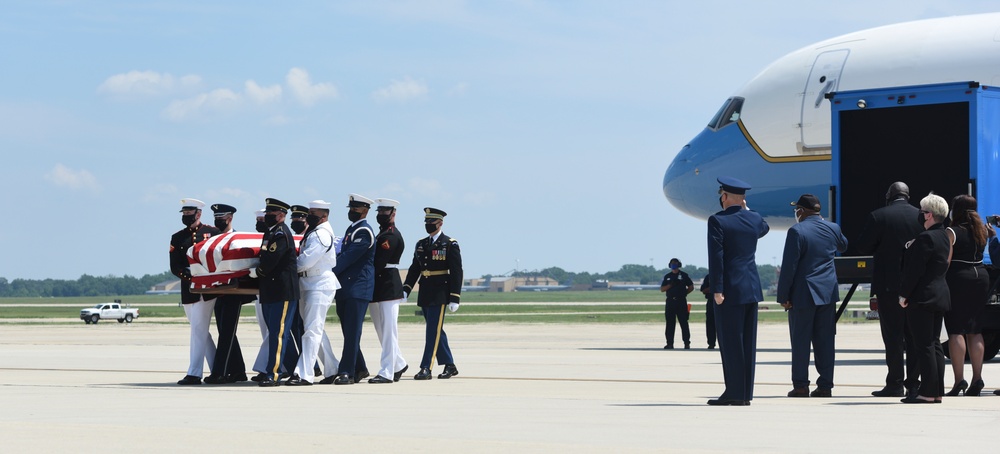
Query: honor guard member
[(197, 306), (318, 284), (229, 366), (437, 262), (299, 214), (677, 284), (260, 364), (732, 244), (298, 224), (356, 271), (388, 292), (279, 286)]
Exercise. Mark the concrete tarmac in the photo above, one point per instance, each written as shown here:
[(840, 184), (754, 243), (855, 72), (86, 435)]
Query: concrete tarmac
[(522, 388)]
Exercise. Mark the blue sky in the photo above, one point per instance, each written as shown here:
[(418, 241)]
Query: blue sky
[(542, 128)]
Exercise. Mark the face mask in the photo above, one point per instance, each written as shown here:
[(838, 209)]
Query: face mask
[(261, 227), (920, 218), (675, 267), (298, 227), (187, 219), (720, 202), (353, 216), (382, 219), (312, 220), (430, 228), (270, 220), (221, 224)]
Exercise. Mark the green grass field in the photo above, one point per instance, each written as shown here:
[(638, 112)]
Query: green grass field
[(531, 307)]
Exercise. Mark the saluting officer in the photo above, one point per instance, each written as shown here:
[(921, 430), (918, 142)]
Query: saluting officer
[(437, 262), (388, 292), (197, 306), (356, 271), (317, 257), (732, 268), (279, 286), (229, 366)]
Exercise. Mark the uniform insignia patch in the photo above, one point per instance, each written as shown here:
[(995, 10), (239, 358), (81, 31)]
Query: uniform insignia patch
[(273, 247), (385, 245)]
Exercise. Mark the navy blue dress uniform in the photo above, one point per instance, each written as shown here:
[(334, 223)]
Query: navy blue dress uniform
[(676, 284), (807, 288), (437, 263), (388, 293), (279, 287), (706, 289), (732, 244), (356, 271), (885, 232), (229, 366), (197, 307)]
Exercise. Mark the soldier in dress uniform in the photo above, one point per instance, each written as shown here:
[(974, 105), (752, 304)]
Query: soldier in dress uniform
[(298, 224), (388, 292), (299, 214), (197, 307), (317, 257), (229, 366), (260, 364), (437, 262), (279, 286), (732, 244), (356, 271)]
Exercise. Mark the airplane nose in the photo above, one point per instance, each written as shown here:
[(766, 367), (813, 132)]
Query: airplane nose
[(677, 181)]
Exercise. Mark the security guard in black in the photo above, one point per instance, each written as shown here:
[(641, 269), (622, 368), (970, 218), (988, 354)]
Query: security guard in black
[(676, 284)]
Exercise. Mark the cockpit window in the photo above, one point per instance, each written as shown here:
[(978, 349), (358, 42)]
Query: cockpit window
[(729, 113)]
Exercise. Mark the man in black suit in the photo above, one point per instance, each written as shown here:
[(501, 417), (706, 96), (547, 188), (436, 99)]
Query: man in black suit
[(279, 286), (229, 366), (884, 235)]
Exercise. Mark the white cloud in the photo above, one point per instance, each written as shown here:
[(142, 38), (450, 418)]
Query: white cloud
[(305, 91), (401, 90), (63, 176), (219, 100), (159, 192), (458, 90), (425, 187), (145, 83), (262, 95)]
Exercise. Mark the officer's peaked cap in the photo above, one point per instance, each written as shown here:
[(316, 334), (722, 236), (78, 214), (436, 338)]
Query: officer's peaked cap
[(733, 185), (260, 213), (386, 203), (299, 211), (319, 205), (357, 200), (275, 204), (191, 204), (222, 208), (433, 214)]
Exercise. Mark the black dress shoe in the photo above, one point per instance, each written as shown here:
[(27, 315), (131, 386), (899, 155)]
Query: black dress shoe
[(821, 392), (379, 379), (189, 380), (975, 388), (799, 392), (268, 382), (398, 375), (328, 380), (731, 402), (687, 346), (424, 374), (297, 381), (236, 378), (284, 375), (449, 371), (343, 379), (215, 380), (360, 375), (889, 392), (711, 347), (958, 388), (918, 400), (668, 347), (316, 371), (260, 376)]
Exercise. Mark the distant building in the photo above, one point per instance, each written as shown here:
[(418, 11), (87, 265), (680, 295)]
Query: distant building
[(165, 288)]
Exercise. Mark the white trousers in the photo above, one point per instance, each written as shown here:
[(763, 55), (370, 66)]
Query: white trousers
[(202, 346), (260, 363), (314, 307), (384, 316)]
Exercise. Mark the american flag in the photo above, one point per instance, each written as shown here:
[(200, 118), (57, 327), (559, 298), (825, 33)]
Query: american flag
[(221, 258)]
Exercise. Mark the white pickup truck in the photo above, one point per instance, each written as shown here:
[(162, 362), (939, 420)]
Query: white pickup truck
[(114, 310)]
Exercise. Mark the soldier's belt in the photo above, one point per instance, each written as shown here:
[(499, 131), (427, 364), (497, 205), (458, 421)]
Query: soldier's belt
[(434, 273), (392, 265)]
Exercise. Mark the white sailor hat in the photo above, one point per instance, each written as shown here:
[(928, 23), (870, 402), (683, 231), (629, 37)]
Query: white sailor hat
[(319, 204), (259, 213), (357, 200), (191, 204), (386, 203)]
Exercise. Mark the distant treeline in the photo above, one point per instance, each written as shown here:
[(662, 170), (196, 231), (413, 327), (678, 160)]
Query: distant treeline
[(86, 285), (643, 274)]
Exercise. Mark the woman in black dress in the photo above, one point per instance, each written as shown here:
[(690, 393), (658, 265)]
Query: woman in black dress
[(924, 294), (969, 284)]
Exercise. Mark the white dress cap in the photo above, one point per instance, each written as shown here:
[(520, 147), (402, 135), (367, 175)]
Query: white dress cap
[(388, 203), (260, 213), (358, 200), (319, 204), (192, 203)]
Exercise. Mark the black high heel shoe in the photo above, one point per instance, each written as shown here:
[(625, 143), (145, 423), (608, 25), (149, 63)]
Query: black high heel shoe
[(958, 388), (975, 388)]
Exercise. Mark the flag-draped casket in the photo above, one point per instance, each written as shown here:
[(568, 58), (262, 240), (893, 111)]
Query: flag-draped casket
[(224, 261)]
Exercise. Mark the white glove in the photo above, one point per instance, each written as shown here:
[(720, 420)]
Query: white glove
[(452, 307), (405, 296), (253, 273)]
